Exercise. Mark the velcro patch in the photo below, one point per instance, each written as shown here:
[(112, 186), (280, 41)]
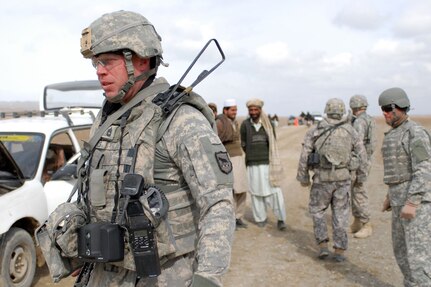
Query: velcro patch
[(223, 162)]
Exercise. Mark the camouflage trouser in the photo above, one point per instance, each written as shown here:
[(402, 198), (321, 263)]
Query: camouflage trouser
[(360, 203), (411, 241), (177, 272), (335, 194)]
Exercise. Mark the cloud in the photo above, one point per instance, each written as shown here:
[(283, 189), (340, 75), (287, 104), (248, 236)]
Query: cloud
[(359, 17), (339, 60), (273, 53), (413, 23)]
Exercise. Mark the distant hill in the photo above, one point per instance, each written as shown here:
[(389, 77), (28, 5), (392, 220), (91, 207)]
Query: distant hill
[(18, 106)]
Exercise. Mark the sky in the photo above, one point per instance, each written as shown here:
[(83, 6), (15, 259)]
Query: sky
[(294, 55)]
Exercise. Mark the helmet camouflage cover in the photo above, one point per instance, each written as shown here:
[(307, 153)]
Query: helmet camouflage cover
[(358, 101), (335, 106), (119, 31), (396, 96)]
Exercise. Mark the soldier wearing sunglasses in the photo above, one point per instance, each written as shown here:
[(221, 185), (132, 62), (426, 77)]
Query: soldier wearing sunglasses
[(406, 154)]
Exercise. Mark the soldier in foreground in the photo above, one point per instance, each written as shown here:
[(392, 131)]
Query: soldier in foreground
[(407, 172), (365, 125), (178, 153), (331, 149)]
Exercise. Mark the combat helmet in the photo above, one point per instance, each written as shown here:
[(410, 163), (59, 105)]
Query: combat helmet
[(335, 106), (358, 101), (118, 31), (394, 96), (125, 32)]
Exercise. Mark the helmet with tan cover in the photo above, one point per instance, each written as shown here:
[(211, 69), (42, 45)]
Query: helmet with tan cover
[(335, 106), (127, 33), (118, 31), (358, 101)]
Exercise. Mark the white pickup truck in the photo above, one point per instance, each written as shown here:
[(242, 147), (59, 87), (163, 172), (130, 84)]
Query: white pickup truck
[(34, 150)]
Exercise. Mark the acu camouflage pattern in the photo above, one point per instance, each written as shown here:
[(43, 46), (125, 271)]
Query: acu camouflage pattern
[(341, 151), (331, 183), (358, 101), (365, 127), (118, 31), (411, 241), (407, 165), (406, 157), (57, 238), (183, 164), (335, 195)]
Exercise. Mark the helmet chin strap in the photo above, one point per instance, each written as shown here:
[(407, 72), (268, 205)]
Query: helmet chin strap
[(131, 78)]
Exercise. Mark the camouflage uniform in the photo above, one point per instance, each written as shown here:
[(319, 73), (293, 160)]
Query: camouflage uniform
[(365, 127), (180, 153), (407, 167), (331, 179)]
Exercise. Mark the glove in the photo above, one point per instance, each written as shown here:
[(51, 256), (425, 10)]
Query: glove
[(408, 211), (386, 205)]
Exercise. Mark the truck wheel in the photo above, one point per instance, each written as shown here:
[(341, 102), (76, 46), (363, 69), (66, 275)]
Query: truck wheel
[(18, 259)]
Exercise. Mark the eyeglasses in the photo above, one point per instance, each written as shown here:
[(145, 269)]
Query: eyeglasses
[(387, 108), (108, 63)]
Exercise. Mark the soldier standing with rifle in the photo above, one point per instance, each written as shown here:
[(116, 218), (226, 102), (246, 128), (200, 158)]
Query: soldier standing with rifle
[(141, 147)]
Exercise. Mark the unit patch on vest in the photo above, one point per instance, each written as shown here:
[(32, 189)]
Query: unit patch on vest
[(223, 162)]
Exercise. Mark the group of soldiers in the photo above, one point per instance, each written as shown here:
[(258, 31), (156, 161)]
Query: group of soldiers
[(335, 161), (338, 151), (139, 136)]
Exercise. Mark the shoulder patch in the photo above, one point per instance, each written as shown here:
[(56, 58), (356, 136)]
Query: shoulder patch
[(223, 162)]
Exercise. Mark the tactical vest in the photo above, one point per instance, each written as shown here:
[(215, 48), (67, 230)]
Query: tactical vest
[(335, 150), (396, 160), (369, 139), (144, 127)]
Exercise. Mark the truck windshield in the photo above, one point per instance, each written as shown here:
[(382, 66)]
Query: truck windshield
[(26, 149)]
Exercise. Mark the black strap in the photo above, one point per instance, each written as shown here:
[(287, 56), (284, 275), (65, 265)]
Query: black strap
[(331, 129), (89, 147)]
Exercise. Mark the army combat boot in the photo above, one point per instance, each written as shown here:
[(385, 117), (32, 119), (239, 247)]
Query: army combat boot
[(323, 251), (365, 231), (356, 225), (339, 255)]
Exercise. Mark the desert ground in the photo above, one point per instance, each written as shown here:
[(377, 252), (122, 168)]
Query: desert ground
[(268, 257)]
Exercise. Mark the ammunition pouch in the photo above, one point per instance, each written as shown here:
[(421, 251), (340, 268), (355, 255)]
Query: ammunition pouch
[(57, 239), (313, 160)]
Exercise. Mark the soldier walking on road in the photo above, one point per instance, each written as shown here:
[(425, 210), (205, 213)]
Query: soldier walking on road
[(331, 149), (407, 172), (365, 125), (228, 132)]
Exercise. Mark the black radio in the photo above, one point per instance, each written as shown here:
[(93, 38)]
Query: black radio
[(140, 228), (101, 242)]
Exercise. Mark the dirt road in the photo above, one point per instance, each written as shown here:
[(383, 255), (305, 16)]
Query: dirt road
[(268, 257)]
